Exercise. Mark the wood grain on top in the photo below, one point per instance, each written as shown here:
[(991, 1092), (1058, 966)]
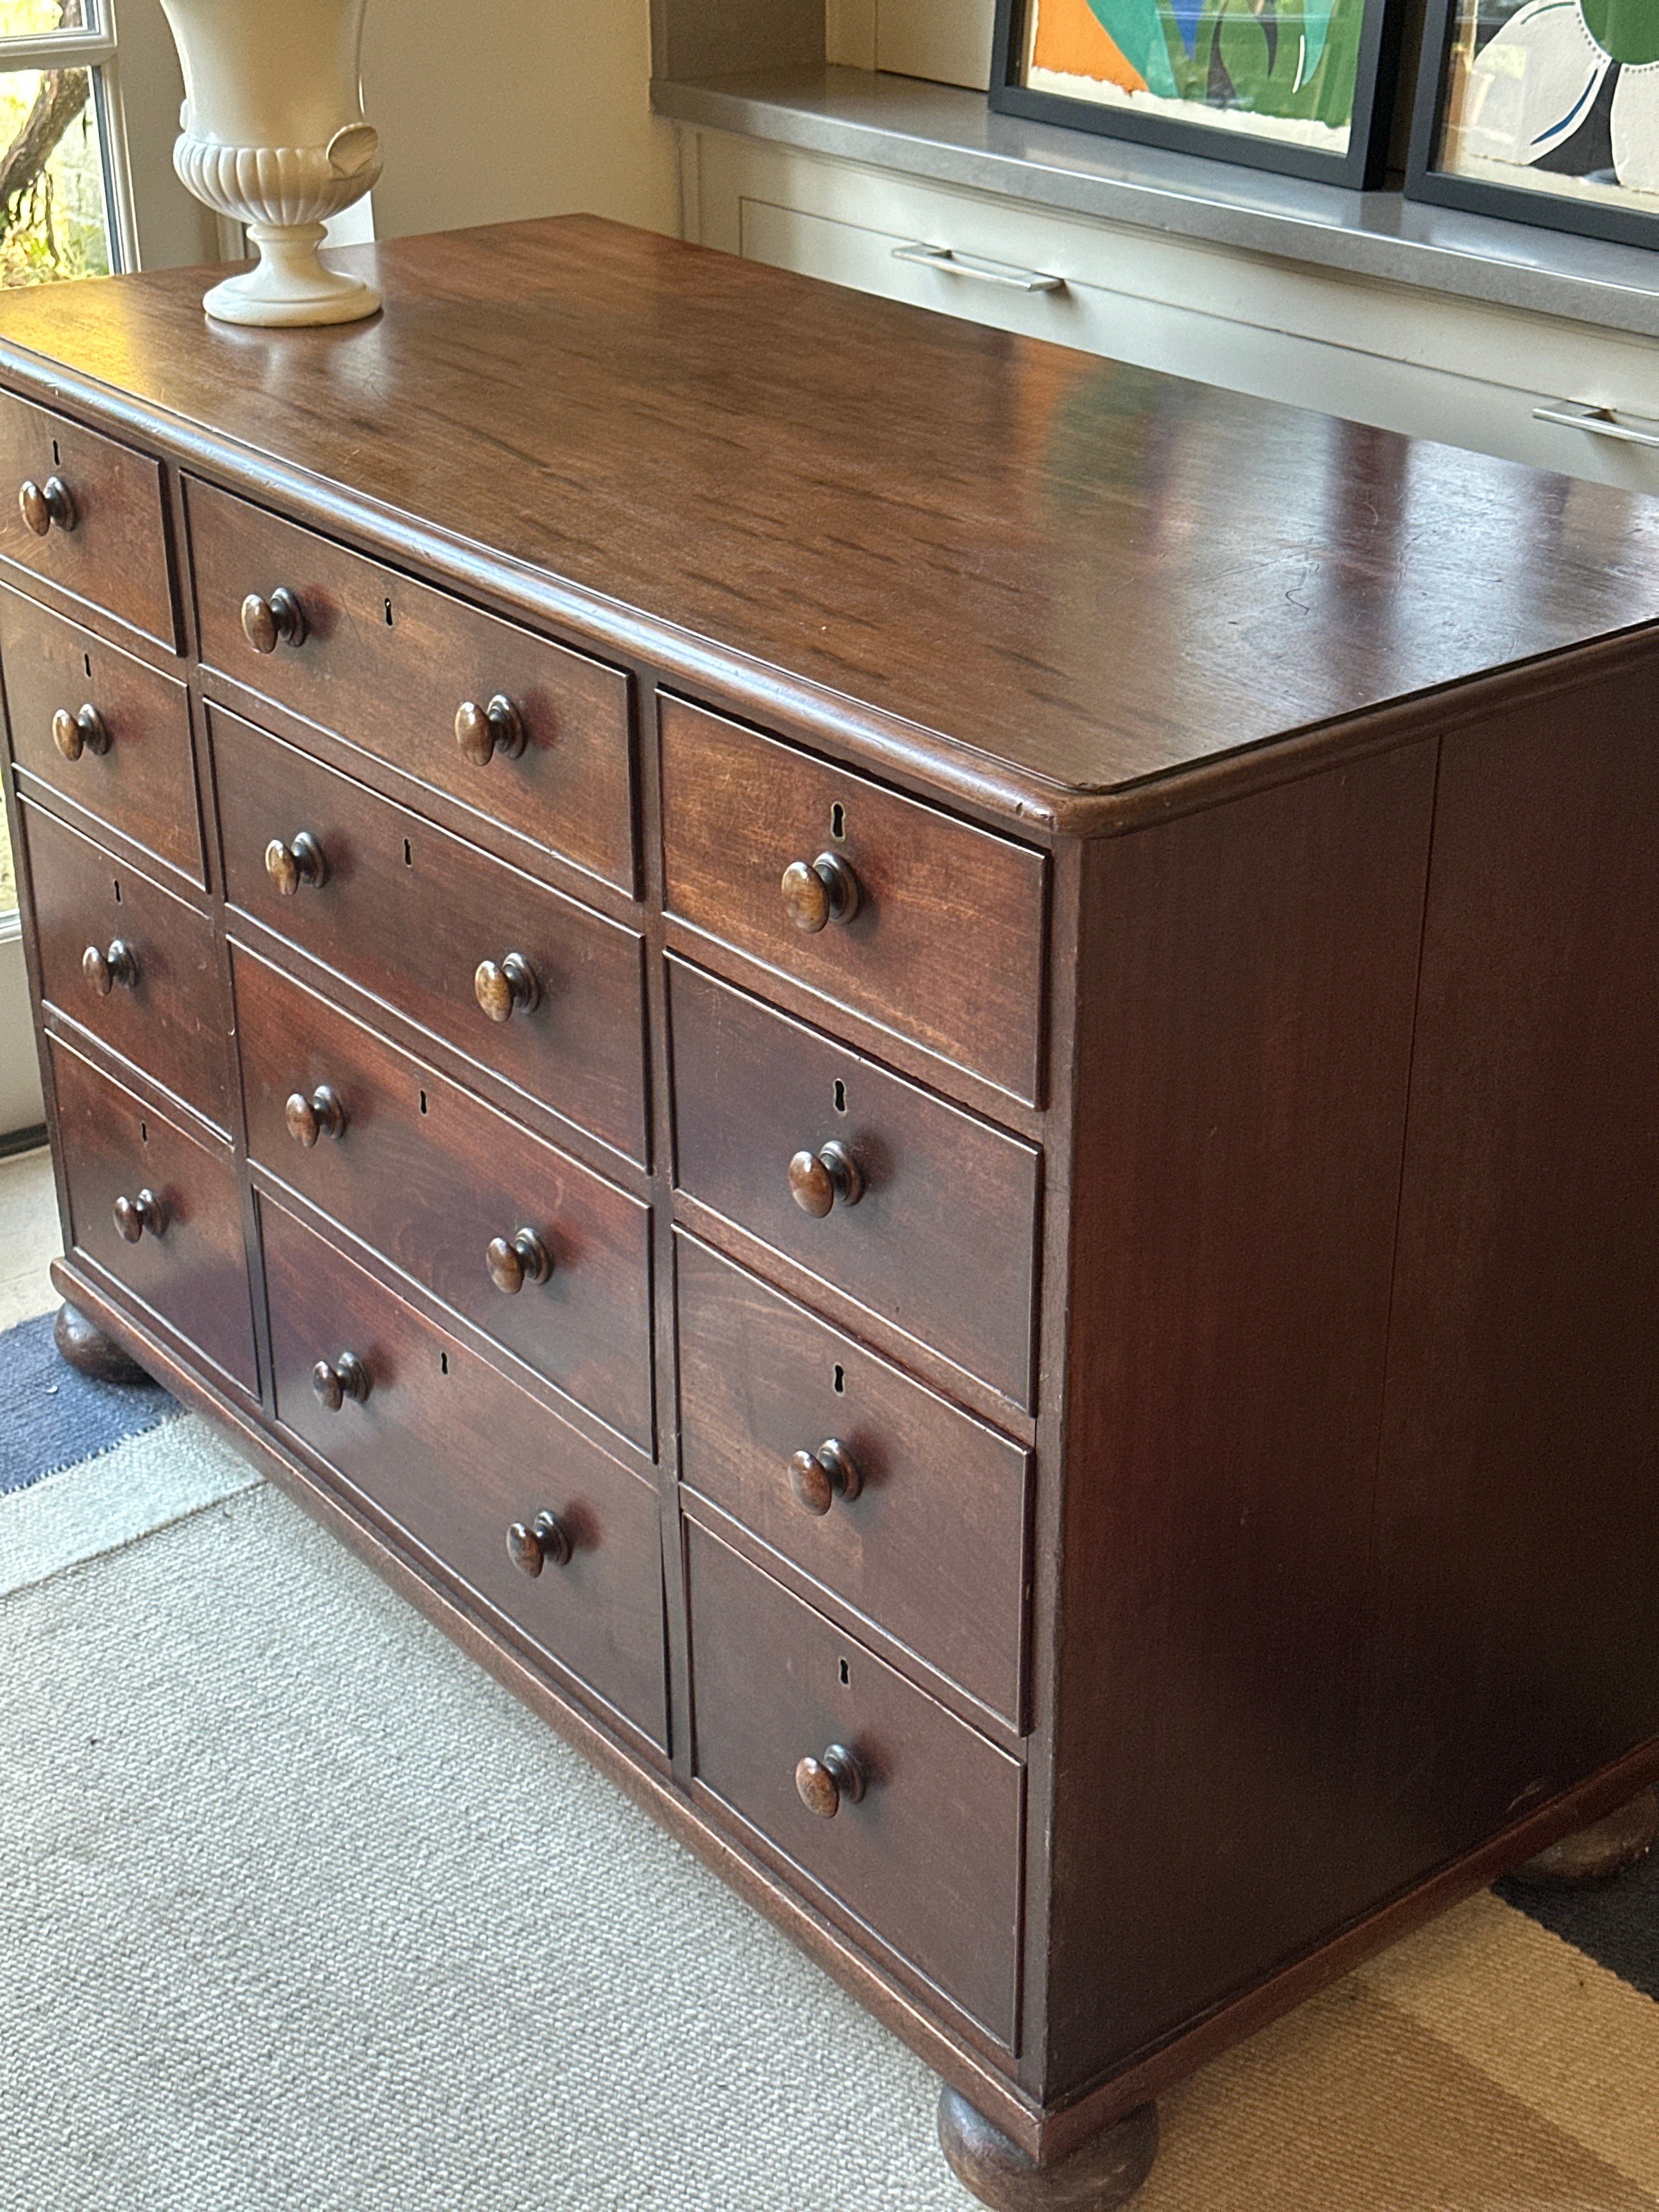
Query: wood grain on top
[(1092, 574)]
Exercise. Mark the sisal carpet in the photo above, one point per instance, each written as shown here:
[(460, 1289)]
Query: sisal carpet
[(299, 1910)]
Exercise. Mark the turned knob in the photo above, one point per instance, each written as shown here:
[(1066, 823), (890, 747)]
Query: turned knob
[(320, 1115), (818, 1180), (335, 1380), (827, 891), (104, 969), (133, 1216), (301, 862), (530, 1548), (41, 504), (514, 1260), (482, 732), (507, 989), (821, 1783), (818, 1478), (73, 734), (279, 620)]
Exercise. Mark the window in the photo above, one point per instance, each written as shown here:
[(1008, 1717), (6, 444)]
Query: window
[(64, 208)]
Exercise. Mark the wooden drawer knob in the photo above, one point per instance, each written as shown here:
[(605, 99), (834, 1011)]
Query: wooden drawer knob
[(73, 734), (821, 1783), (818, 1478), (483, 731), (507, 989), (826, 891), (103, 970), (41, 504), (133, 1216), (334, 1381), (322, 1115), (514, 1260), (301, 862), (818, 1180), (279, 620), (530, 1548)]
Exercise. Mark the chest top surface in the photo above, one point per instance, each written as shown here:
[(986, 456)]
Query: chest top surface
[(1091, 575)]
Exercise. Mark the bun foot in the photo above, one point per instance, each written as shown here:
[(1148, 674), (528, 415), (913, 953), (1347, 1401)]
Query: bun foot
[(1105, 2172), (1599, 1852), (89, 1351)]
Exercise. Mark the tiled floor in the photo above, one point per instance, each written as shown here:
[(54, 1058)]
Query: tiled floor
[(29, 1237)]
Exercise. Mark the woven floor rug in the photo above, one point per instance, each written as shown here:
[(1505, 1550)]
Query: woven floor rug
[(300, 1911)]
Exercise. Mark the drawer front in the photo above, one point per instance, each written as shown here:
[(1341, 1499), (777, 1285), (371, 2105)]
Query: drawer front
[(410, 913), (942, 1240), (154, 996), (929, 1856), (113, 554), (188, 1261), (454, 1454), (945, 943), (926, 1537), (430, 1177), (386, 662), (142, 782)]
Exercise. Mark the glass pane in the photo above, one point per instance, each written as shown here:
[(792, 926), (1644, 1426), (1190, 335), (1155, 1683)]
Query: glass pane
[(51, 177), (37, 19), (7, 872)]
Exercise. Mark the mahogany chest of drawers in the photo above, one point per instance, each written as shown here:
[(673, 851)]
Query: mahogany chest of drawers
[(923, 1070)]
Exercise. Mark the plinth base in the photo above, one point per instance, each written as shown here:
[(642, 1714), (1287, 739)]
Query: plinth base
[(289, 288), (1098, 2175)]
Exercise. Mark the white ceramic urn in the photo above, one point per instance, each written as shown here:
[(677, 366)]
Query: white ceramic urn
[(273, 134)]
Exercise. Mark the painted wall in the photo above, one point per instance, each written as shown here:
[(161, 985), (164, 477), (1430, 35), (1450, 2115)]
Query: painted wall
[(495, 109)]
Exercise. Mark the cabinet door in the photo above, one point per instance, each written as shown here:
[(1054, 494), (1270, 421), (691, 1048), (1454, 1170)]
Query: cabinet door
[(1518, 1508)]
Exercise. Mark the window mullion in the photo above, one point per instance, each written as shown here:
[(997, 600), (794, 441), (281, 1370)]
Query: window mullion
[(64, 49)]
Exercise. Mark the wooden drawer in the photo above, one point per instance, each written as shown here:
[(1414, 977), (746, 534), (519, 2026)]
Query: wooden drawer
[(409, 912), (932, 1547), (428, 1175), (454, 1454), (114, 556), (143, 783), (187, 1262), (941, 1242), (945, 946), (929, 1856), (160, 1006), (386, 662)]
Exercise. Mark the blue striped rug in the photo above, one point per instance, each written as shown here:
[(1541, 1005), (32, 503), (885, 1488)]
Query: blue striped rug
[(52, 1418)]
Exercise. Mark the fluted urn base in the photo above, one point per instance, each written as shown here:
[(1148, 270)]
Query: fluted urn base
[(288, 286)]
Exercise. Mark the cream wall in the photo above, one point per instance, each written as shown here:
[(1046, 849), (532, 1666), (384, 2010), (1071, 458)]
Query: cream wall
[(493, 109)]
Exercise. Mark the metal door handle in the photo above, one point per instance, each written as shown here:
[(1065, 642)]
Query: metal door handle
[(973, 265), (1600, 422)]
